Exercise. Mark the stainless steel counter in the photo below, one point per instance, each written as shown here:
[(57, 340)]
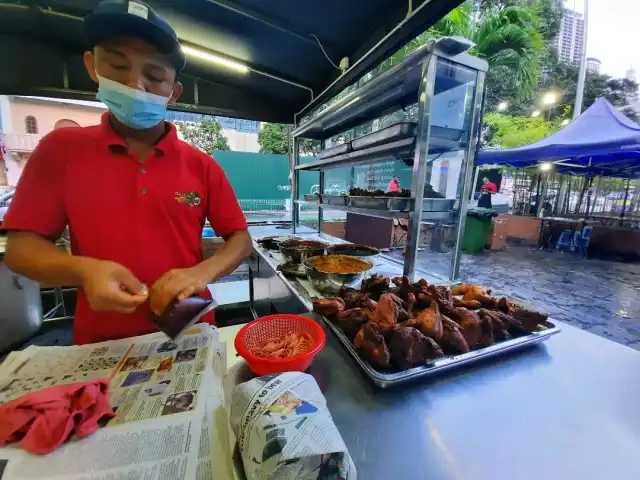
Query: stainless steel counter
[(568, 409)]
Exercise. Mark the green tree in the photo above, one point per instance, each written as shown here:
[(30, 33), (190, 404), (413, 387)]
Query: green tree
[(508, 131), (206, 135), (510, 39), (275, 137)]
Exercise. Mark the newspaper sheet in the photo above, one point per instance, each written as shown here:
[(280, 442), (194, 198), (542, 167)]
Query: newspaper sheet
[(285, 431), (163, 393)]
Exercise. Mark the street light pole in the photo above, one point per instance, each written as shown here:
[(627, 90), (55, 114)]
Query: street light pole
[(577, 108)]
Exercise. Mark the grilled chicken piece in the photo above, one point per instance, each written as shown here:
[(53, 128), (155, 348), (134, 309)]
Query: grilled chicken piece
[(497, 327), (410, 348), (375, 285), (428, 322), (529, 319), (470, 323), (469, 304), (404, 287), (355, 298), (452, 338), (510, 324), (350, 321), (370, 342), (328, 307), (472, 292), (486, 335), (386, 313)]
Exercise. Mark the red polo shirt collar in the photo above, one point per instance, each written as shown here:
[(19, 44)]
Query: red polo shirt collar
[(167, 143)]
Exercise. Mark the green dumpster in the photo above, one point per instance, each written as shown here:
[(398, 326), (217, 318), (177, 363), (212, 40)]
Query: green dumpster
[(476, 231)]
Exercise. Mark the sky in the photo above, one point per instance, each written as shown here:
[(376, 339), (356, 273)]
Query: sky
[(613, 33)]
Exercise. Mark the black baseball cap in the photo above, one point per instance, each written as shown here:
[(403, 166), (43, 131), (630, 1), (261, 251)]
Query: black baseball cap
[(113, 18)]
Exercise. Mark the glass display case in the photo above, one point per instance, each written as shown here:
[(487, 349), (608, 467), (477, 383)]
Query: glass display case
[(401, 146)]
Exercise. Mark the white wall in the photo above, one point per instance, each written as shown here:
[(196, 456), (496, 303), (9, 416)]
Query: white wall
[(6, 119), (242, 141)]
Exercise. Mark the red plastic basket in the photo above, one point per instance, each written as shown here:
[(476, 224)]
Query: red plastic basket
[(272, 326)]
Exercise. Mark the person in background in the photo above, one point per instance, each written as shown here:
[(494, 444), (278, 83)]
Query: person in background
[(486, 189), (135, 197), (394, 184)]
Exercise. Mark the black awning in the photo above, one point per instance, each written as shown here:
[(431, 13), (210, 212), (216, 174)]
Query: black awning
[(41, 45)]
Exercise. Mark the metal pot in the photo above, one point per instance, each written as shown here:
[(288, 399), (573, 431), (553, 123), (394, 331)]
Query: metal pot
[(330, 282), (297, 251), (353, 250)]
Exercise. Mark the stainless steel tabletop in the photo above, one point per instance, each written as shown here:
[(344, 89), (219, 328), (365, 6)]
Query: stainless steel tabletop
[(567, 409)]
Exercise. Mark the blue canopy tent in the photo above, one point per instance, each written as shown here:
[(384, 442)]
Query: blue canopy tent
[(600, 142)]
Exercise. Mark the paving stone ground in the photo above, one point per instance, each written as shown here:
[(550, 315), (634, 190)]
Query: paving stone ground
[(601, 297)]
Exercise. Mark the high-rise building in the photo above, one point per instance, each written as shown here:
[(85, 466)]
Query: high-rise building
[(593, 65), (570, 41), (631, 74)]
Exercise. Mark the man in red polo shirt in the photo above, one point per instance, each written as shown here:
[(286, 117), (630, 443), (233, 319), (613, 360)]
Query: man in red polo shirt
[(135, 197)]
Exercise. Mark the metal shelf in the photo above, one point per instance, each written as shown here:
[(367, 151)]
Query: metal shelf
[(395, 150), (426, 216), (394, 89)]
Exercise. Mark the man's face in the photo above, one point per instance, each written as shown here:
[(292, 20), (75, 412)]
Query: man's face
[(136, 64), (485, 180)]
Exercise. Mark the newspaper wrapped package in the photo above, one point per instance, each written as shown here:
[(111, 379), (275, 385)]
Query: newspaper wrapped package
[(44, 419), (285, 431)]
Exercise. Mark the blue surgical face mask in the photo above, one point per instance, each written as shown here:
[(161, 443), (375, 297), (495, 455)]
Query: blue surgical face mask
[(135, 108)]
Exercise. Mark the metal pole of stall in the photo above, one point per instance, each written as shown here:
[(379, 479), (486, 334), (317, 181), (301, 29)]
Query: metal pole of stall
[(469, 160), (624, 202), (543, 181), (321, 182), (420, 157), (595, 196), (475, 181), (295, 183)]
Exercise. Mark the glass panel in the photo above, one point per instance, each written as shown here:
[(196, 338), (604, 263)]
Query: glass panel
[(452, 105)]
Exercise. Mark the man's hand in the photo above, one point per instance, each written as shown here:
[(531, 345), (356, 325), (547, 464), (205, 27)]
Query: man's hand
[(110, 287), (177, 284)]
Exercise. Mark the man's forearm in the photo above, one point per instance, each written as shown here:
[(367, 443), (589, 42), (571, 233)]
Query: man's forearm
[(30, 255), (236, 248)]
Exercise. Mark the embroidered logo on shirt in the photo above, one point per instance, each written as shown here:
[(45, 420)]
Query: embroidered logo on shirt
[(191, 198)]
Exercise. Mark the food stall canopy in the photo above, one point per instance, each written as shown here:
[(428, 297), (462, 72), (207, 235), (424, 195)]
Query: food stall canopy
[(600, 142), (278, 49)]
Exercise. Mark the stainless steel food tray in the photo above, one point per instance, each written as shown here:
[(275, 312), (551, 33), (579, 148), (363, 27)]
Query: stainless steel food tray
[(335, 199), (437, 204), (392, 204), (386, 135), (400, 204), (442, 364)]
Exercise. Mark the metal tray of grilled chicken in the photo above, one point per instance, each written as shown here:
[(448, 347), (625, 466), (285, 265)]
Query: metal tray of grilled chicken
[(442, 364)]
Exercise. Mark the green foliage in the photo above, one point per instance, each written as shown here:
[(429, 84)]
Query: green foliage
[(275, 137), (206, 135), (509, 131)]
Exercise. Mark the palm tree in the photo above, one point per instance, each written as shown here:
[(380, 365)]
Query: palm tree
[(509, 39)]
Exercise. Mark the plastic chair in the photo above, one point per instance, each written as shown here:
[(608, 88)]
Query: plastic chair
[(565, 240), (576, 244)]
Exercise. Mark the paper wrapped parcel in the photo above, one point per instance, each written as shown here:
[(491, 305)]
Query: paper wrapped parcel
[(285, 431)]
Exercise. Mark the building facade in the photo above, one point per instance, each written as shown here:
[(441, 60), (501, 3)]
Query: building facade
[(593, 65), (571, 39), (25, 120)]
